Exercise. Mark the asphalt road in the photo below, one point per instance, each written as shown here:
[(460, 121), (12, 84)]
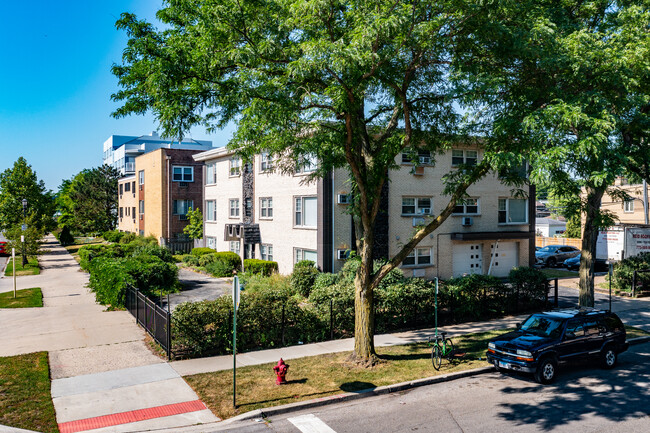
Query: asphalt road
[(584, 398)]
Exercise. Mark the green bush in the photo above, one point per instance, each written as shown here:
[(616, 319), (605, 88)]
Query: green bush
[(206, 259), (623, 273), (529, 286), (155, 250), (264, 267), (199, 251), (341, 296), (404, 303), (108, 280), (303, 277), (190, 260), (325, 279), (65, 237), (177, 258), (259, 283), (127, 238), (219, 269), (151, 275), (477, 296), (230, 258), (112, 235)]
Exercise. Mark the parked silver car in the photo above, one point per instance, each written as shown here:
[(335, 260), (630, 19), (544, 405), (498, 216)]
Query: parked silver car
[(551, 255)]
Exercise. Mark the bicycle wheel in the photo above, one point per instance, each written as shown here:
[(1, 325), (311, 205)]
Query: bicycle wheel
[(436, 356), (449, 349)]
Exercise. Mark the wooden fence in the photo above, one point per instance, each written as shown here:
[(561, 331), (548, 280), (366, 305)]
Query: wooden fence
[(542, 241)]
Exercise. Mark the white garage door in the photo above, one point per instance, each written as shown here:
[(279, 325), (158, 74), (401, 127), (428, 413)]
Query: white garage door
[(468, 259), (505, 258)]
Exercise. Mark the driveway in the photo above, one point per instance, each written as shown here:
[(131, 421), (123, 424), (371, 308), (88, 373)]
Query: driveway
[(198, 287)]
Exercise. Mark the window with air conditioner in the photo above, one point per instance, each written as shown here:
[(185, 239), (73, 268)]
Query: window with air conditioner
[(422, 157), (342, 254), (343, 199), (182, 173), (416, 206)]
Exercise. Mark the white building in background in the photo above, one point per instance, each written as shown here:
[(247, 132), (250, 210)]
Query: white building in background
[(279, 217), (120, 150), (550, 227)]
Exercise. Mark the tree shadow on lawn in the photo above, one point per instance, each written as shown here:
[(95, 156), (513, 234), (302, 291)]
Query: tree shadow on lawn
[(583, 390)]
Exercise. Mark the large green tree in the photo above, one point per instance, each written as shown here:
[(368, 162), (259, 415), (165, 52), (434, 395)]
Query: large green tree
[(88, 202), (351, 83), (20, 182)]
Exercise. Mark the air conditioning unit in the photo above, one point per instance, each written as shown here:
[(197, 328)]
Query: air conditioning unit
[(182, 217), (343, 198), (417, 171), (182, 184), (141, 216), (468, 221), (418, 221), (342, 254), (425, 210)]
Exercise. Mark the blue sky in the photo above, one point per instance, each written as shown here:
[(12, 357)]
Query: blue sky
[(55, 84)]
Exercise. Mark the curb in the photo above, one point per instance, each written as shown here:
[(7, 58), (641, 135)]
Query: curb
[(350, 396), (371, 392)]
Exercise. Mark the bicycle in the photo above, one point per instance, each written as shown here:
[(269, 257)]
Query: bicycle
[(446, 350)]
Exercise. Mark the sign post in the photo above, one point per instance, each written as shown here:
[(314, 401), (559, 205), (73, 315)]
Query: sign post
[(611, 266), (13, 264), (436, 308), (235, 304)]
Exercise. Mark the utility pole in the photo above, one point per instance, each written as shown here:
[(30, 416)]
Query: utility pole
[(24, 227)]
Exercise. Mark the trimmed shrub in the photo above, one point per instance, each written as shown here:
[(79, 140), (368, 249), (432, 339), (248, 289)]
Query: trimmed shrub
[(219, 269), (112, 235), (258, 282), (408, 302), (264, 267), (475, 296), (177, 258), (127, 238), (199, 251), (206, 259), (230, 258), (108, 280), (190, 260), (155, 250), (529, 286), (65, 237), (151, 274), (341, 296), (303, 276)]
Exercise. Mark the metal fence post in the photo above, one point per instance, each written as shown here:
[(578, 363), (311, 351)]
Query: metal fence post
[(282, 328), (331, 320), (556, 301), (634, 284)]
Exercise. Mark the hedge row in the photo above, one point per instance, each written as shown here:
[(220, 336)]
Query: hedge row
[(141, 263), (623, 273), (272, 312)]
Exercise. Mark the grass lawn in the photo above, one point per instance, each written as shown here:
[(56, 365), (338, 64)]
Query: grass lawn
[(558, 273), (25, 298), (323, 375), (633, 332), (30, 269), (25, 399)]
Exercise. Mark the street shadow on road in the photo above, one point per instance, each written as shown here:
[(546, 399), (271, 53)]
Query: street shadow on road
[(579, 391), (357, 386)]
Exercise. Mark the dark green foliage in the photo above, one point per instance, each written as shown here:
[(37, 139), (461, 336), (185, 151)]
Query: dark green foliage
[(108, 280), (219, 269), (222, 264), (190, 260), (475, 296), (112, 235), (199, 251), (264, 267), (530, 286), (325, 279), (155, 250), (403, 303), (342, 302), (303, 276), (624, 272), (65, 237), (127, 238)]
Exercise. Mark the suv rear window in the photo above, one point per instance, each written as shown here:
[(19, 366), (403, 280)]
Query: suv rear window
[(613, 323)]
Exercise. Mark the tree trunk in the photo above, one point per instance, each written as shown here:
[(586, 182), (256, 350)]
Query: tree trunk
[(364, 313), (589, 237)]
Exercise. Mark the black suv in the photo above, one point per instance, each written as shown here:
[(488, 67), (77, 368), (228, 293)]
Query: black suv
[(546, 339)]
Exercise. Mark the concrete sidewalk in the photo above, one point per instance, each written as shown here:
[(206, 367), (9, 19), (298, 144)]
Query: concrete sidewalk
[(104, 377)]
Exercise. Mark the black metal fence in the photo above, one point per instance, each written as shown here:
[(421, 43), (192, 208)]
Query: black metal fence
[(151, 316), (179, 246)]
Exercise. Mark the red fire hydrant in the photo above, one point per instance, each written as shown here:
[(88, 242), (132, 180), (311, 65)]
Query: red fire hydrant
[(281, 372)]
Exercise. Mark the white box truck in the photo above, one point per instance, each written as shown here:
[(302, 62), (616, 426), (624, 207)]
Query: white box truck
[(622, 241)]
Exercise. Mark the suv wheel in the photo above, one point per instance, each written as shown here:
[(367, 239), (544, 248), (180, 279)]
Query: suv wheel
[(546, 371), (608, 357)]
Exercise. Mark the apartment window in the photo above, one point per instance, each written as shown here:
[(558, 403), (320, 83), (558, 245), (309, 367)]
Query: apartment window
[(305, 211), (141, 207), (235, 166), (234, 246), (628, 206), (416, 206), (211, 210), (513, 211), (133, 212), (418, 257), (307, 164), (266, 207), (302, 254), (127, 187), (248, 207), (234, 208), (470, 207), (133, 187), (182, 174), (182, 206), (127, 210), (121, 212), (266, 252), (211, 242), (211, 174), (460, 156), (266, 161), (120, 190), (424, 157), (141, 178)]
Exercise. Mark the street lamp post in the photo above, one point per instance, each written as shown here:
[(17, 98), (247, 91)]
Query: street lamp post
[(22, 238)]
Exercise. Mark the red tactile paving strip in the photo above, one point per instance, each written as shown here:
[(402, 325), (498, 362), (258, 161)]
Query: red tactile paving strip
[(131, 416)]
